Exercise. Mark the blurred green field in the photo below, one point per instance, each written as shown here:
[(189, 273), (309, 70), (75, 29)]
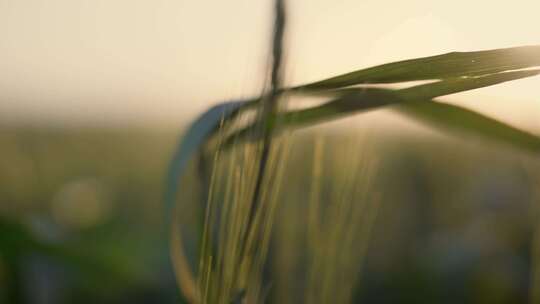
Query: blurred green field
[(96, 195), (82, 219)]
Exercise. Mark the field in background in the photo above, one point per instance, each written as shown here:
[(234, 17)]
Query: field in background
[(83, 221)]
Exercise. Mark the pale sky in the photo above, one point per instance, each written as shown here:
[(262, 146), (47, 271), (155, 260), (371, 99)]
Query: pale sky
[(162, 61)]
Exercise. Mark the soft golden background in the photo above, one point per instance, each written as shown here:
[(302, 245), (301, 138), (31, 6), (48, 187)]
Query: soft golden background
[(159, 62)]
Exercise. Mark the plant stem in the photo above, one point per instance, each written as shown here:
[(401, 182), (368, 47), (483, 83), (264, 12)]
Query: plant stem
[(268, 108)]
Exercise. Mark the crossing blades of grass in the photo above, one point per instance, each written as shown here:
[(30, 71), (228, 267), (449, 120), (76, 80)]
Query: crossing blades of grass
[(457, 70), (351, 101)]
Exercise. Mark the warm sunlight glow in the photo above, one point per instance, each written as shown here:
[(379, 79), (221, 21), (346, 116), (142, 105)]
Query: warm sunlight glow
[(164, 60)]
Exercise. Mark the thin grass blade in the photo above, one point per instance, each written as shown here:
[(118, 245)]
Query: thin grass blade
[(443, 66), (188, 149), (461, 84), (463, 121)]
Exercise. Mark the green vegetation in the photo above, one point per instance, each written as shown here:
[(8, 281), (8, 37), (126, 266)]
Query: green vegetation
[(266, 201), (454, 217), (239, 200), (80, 215)]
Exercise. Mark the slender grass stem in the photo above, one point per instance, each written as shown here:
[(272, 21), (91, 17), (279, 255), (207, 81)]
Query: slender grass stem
[(268, 108)]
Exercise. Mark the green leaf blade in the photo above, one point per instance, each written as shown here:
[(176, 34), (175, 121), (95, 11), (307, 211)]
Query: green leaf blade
[(455, 64), (353, 100), (460, 120), (461, 84)]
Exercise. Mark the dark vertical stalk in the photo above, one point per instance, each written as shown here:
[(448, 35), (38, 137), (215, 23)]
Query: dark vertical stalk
[(269, 107)]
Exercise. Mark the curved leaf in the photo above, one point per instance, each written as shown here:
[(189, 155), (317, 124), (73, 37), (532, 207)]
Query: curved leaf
[(189, 147), (352, 101), (191, 142)]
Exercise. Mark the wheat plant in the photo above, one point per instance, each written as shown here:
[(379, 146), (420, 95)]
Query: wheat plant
[(241, 150)]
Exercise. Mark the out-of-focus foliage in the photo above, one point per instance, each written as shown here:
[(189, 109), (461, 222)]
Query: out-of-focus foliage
[(455, 220), (80, 215)]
